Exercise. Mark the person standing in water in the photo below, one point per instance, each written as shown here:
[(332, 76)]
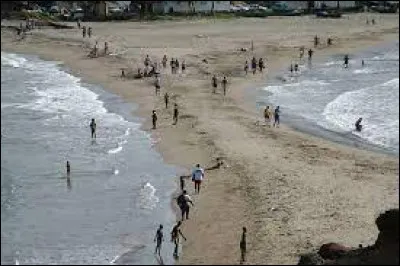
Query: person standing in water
[(246, 67), (243, 245), (358, 124), (197, 177), (183, 202), (346, 61), (154, 119), (276, 116), (176, 114), (310, 54), (175, 233), (93, 128), (159, 238)]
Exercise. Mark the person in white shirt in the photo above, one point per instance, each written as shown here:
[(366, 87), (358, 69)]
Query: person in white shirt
[(197, 177)]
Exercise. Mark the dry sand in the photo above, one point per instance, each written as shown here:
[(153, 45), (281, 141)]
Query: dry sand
[(292, 191)]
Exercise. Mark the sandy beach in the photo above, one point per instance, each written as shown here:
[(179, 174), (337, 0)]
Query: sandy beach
[(292, 191)]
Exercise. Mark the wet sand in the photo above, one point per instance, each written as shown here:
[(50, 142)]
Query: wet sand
[(291, 190)]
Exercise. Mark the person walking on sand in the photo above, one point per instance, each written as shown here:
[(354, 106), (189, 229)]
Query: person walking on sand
[(254, 65), (176, 114), (224, 84), (246, 67), (159, 238), (316, 41), (166, 100), (183, 201), (154, 119), (93, 128), (84, 31), (164, 61), (214, 83), (175, 233), (90, 32), (157, 85), (261, 64), (197, 177), (105, 48), (242, 246), (267, 115), (276, 116), (183, 66)]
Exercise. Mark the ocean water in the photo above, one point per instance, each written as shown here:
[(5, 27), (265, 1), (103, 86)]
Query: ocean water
[(325, 98), (119, 190)]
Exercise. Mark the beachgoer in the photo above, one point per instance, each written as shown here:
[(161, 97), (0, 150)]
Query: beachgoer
[(183, 201), (68, 168), (183, 66), (176, 231), (157, 85), (166, 100), (276, 116), (93, 128), (224, 84), (197, 177), (164, 61), (176, 64), (367, 21), (154, 119), (261, 64), (373, 21), (358, 124), (310, 54), (346, 61), (362, 63), (176, 114), (182, 182), (267, 115), (254, 65), (159, 238), (291, 68), (78, 22), (316, 41), (301, 52), (90, 32), (214, 83), (172, 64), (296, 67), (84, 31), (106, 48), (242, 246), (147, 61), (329, 41), (122, 73), (246, 67)]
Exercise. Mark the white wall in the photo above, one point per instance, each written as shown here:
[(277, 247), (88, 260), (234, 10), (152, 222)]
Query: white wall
[(183, 6)]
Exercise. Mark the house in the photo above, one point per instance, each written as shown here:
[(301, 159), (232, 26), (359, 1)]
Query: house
[(190, 6), (100, 9)]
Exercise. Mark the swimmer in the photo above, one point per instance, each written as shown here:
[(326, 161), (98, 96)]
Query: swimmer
[(358, 125), (159, 238), (93, 128)]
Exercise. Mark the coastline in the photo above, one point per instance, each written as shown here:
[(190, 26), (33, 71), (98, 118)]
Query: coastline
[(194, 141)]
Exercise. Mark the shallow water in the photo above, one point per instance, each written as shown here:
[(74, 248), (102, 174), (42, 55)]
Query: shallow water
[(328, 98), (119, 190)]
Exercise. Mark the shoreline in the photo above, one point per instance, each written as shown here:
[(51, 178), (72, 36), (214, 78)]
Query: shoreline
[(298, 123), (201, 147)]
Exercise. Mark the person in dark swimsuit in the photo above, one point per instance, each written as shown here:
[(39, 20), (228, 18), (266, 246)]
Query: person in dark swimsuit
[(358, 124), (175, 233), (159, 238), (93, 128)]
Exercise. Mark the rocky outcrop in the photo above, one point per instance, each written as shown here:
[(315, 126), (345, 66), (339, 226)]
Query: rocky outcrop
[(385, 251)]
